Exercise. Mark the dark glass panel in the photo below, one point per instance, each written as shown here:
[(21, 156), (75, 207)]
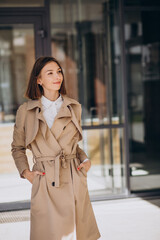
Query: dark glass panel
[(142, 41)]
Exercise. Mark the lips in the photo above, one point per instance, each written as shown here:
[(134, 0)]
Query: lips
[(56, 82)]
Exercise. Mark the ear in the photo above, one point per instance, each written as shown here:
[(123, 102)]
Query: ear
[(39, 81)]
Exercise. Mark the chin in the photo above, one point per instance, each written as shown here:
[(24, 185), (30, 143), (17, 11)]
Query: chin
[(55, 89)]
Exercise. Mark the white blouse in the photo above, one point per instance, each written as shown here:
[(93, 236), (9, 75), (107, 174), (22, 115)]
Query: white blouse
[(50, 110)]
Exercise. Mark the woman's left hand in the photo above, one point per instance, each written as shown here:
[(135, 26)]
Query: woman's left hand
[(86, 165)]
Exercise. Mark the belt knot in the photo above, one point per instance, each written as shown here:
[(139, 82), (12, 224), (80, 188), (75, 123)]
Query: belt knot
[(59, 159), (62, 157)]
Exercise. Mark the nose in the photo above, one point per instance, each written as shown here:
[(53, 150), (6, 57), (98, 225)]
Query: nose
[(56, 77)]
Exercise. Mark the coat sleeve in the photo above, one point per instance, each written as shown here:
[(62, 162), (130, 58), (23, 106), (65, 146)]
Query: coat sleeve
[(18, 144), (80, 153)]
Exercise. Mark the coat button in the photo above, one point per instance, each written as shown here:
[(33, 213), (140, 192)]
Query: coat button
[(53, 183)]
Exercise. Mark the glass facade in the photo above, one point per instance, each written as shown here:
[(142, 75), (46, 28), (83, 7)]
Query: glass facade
[(142, 43), (80, 32), (85, 39), (110, 53), (17, 55)]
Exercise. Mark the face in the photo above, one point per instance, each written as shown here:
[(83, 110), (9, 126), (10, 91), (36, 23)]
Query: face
[(50, 77)]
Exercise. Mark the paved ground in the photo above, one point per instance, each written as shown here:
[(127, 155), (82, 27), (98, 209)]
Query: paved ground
[(127, 219)]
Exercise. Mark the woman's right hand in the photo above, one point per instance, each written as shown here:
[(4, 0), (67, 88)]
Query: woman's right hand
[(29, 175)]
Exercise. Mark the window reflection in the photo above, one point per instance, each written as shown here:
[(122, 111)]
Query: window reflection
[(143, 76), (85, 39), (106, 176), (82, 35), (17, 54)]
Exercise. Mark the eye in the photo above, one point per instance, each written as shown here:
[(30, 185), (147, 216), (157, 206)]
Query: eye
[(60, 71), (49, 73)]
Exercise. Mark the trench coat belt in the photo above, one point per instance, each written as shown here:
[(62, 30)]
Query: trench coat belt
[(60, 157)]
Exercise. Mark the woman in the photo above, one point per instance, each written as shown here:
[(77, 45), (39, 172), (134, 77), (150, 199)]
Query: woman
[(49, 124)]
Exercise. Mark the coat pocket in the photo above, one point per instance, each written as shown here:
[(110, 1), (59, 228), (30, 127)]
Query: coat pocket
[(34, 168), (83, 171), (34, 179)]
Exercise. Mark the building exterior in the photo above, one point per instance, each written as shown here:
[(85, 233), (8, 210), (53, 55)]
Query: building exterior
[(110, 53)]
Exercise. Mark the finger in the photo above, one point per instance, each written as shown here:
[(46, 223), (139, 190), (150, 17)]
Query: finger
[(80, 166), (40, 173)]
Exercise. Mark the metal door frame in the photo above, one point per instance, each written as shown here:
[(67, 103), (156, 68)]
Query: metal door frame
[(39, 17)]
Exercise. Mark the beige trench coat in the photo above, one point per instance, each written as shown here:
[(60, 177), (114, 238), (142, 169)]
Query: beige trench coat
[(60, 202)]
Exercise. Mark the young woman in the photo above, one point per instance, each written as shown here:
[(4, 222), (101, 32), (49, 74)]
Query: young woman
[(49, 124)]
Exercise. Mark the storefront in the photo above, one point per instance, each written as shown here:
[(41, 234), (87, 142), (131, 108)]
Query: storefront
[(110, 54)]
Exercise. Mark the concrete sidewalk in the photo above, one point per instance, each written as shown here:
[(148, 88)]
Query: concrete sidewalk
[(126, 219)]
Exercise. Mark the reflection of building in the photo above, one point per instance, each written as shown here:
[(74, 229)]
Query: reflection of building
[(110, 54)]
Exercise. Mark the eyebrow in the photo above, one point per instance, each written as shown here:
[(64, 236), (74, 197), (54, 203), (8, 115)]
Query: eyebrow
[(52, 70)]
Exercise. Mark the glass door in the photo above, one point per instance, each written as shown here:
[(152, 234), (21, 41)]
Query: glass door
[(20, 44), (85, 39), (142, 40)]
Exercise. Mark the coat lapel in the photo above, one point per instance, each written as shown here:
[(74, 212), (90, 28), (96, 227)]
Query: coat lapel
[(32, 122), (64, 116)]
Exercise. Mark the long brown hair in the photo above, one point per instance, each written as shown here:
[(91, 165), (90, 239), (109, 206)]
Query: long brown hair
[(35, 90)]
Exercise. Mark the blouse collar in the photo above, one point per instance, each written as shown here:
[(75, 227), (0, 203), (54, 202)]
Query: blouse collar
[(47, 103)]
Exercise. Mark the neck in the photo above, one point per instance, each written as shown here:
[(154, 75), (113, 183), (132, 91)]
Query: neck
[(52, 96)]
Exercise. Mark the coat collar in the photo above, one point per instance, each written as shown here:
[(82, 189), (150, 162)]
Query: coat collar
[(57, 127), (37, 103)]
